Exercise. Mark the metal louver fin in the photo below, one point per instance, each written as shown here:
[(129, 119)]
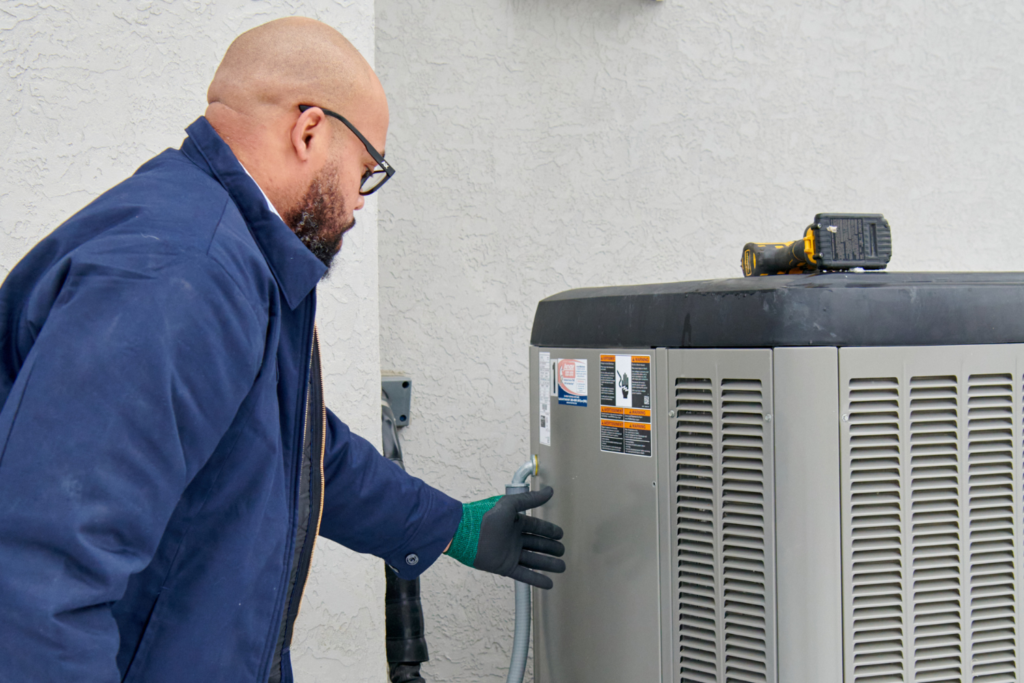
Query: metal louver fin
[(934, 523), (935, 528), (743, 531), (697, 541), (876, 536), (991, 528), (725, 547)]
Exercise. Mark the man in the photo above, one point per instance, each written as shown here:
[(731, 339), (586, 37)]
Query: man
[(167, 460)]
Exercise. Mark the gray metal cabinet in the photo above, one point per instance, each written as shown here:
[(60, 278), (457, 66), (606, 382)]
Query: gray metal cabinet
[(781, 513)]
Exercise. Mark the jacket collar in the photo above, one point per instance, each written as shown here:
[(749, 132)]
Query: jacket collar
[(295, 268)]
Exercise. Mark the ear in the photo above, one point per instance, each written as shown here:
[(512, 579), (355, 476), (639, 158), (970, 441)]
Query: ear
[(310, 134)]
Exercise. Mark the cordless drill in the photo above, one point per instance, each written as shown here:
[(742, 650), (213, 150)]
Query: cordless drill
[(834, 241)]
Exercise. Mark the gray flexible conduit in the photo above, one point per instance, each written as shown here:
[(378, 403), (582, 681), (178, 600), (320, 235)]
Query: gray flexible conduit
[(521, 642)]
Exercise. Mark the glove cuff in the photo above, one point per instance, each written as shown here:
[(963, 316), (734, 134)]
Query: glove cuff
[(467, 536)]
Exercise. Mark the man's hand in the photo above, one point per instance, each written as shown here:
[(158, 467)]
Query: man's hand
[(496, 536)]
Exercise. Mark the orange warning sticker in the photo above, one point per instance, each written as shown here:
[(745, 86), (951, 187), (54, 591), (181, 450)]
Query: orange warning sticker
[(626, 404)]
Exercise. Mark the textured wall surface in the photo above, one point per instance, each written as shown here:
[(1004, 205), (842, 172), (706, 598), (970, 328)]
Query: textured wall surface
[(92, 89), (543, 145)]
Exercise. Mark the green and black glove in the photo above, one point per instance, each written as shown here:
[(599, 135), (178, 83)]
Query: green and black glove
[(495, 536)]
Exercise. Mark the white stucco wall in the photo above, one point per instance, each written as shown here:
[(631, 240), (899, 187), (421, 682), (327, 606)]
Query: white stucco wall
[(92, 89), (542, 146)]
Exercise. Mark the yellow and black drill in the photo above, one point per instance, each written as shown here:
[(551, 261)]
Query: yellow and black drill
[(834, 241)]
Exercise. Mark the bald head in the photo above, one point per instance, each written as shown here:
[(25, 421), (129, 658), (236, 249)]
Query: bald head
[(304, 161), (293, 61)]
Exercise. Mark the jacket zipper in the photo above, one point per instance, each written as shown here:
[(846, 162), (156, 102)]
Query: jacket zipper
[(288, 620), (323, 446)]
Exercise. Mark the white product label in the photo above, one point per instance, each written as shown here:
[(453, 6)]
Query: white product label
[(544, 393), (572, 381)]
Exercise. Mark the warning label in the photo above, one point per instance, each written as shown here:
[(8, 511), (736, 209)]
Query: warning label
[(611, 429), (626, 404), (572, 381)]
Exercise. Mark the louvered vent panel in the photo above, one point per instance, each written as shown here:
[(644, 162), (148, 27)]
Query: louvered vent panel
[(991, 529), (743, 531), (698, 544), (935, 529), (877, 577)]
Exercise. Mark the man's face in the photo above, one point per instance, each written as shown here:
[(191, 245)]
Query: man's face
[(326, 210), (322, 216)]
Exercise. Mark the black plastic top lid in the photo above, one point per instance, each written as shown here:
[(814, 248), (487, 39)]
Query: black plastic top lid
[(821, 309)]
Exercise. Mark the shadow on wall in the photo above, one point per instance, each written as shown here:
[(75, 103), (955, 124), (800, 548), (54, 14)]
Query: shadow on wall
[(600, 14), (591, 7)]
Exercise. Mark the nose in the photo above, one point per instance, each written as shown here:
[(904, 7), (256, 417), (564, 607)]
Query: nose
[(360, 202)]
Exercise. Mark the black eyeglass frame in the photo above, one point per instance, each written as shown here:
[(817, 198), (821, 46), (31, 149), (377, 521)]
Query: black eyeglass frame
[(385, 167)]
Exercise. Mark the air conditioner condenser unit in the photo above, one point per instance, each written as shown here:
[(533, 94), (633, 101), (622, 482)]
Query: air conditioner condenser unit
[(791, 479)]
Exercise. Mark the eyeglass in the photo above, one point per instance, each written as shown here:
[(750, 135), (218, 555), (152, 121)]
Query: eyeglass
[(372, 179)]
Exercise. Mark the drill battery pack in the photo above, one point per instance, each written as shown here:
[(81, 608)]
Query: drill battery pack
[(851, 240)]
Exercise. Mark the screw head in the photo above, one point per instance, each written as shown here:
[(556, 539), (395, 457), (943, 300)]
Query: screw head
[(846, 417), (768, 417), (671, 413)]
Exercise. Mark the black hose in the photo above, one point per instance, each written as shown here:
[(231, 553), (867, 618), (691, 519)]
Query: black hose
[(406, 641)]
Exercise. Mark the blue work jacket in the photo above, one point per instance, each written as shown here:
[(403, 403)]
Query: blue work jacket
[(155, 357)]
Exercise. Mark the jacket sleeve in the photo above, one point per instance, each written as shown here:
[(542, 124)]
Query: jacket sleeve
[(372, 506), (136, 373)]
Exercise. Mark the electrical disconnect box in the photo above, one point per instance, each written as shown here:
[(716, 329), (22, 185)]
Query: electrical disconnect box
[(790, 479)]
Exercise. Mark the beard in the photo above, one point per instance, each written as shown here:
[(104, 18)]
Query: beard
[(319, 219)]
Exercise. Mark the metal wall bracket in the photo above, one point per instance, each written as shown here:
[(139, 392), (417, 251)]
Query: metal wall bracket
[(399, 392)]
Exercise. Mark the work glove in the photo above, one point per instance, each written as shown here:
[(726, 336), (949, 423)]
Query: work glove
[(495, 535)]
